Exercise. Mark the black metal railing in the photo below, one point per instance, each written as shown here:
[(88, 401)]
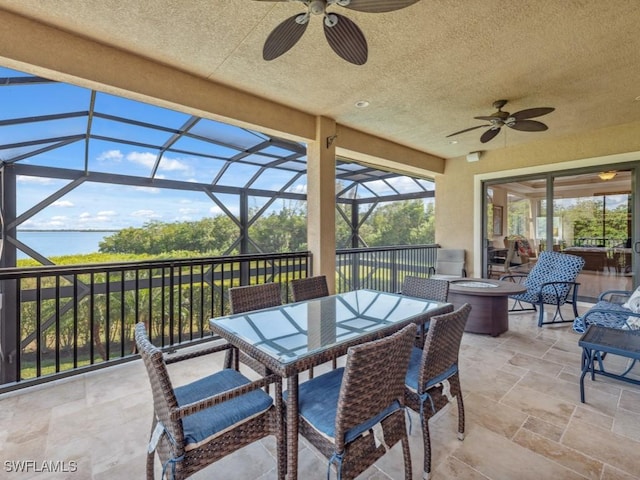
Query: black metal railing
[(60, 320), (382, 268), (63, 320)]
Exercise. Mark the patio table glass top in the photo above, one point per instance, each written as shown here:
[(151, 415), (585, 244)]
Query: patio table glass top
[(290, 332)]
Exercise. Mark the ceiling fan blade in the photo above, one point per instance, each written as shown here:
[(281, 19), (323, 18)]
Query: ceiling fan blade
[(529, 126), (378, 6), (283, 37), (346, 39), (532, 112), (467, 130), (489, 134), (488, 118)]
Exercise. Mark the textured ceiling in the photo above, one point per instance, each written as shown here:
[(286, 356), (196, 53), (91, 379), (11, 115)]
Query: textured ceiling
[(432, 66)]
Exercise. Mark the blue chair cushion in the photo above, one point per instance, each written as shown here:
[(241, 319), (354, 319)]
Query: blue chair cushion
[(411, 380), (615, 316), (318, 404), (206, 424)]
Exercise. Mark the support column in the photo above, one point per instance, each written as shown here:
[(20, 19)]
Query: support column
[(8, 292), (321, 200)]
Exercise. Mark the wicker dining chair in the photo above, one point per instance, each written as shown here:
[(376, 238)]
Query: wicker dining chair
[(428, 288), (197, 424), (308, 288), (433, 377), (354, 414), (247, 298), (254, 297)]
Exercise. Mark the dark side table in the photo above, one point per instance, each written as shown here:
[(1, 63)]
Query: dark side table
[(597, 341)]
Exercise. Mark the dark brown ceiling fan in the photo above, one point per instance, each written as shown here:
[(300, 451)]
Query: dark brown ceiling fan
[(343, 35), (517, 121)]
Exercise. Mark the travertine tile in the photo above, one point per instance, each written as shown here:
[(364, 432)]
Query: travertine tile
[(592, 416), (493, 415), (630, 400), (500, 459), (556, 452), (611, 473), (524, 420), (604, 445), (627, 423), (535, 364), (546, 407), (545, 429)]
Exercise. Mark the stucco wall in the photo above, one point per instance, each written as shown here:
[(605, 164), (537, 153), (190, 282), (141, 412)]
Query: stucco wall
[(458, 191)]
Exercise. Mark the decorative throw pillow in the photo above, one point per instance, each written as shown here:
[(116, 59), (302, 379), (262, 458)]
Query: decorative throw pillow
[(628, 304), (634, 323)]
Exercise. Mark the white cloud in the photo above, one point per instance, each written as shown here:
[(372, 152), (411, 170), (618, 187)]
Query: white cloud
[(63, 203), (148, 159), (145, 213), (215, 210), (85, 215), (59, 218), (299, 188), (187, 211), (107, 213), (111, 155), (38, 180), (151, 190)]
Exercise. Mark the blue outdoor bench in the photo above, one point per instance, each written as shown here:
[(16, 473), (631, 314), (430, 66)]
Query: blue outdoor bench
[(610, 312)]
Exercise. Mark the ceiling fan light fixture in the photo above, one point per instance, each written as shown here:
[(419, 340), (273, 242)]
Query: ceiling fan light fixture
[(362, 104), (608, 175)]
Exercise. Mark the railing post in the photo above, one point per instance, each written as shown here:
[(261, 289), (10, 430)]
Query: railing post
[(394, 271)]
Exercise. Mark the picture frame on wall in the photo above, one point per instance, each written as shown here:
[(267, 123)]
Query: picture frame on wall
[(497, 220)]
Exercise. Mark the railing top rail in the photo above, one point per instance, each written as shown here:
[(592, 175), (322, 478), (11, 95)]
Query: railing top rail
[(46, 270), (344, 251)]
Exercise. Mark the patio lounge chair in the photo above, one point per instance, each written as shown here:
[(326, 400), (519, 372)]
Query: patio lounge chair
[(614, 309), (353, 415), (550, 282), (449, 264), (432, 378), (197, 424)]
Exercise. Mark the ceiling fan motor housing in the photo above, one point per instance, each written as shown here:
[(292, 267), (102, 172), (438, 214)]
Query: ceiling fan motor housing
[(317, 7)]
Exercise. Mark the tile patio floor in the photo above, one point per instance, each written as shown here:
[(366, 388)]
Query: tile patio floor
[(524, 420)]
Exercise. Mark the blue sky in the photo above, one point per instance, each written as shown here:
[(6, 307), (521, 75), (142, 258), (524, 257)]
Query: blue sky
[(101, 206), (93, 206)]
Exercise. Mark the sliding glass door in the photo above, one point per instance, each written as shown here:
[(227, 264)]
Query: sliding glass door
[(585, 213)]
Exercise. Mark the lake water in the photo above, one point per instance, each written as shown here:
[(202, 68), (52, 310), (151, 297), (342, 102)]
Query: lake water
[(55, 243)]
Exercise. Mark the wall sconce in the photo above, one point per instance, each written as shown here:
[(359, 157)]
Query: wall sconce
[(609, 175)]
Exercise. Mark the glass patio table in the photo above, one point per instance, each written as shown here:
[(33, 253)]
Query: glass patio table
[(292, 338)]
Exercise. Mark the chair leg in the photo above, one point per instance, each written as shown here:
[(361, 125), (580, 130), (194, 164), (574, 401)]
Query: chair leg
[(406, 453), (456, 390), (426, 439), (541, 315), (151, 456)]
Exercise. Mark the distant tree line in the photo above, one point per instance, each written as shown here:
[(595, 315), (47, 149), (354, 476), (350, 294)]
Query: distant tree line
[(397, 223)]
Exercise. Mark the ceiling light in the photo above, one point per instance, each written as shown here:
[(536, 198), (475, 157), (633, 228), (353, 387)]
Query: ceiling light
[(362, 104), (610, 175), (453, 142)]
